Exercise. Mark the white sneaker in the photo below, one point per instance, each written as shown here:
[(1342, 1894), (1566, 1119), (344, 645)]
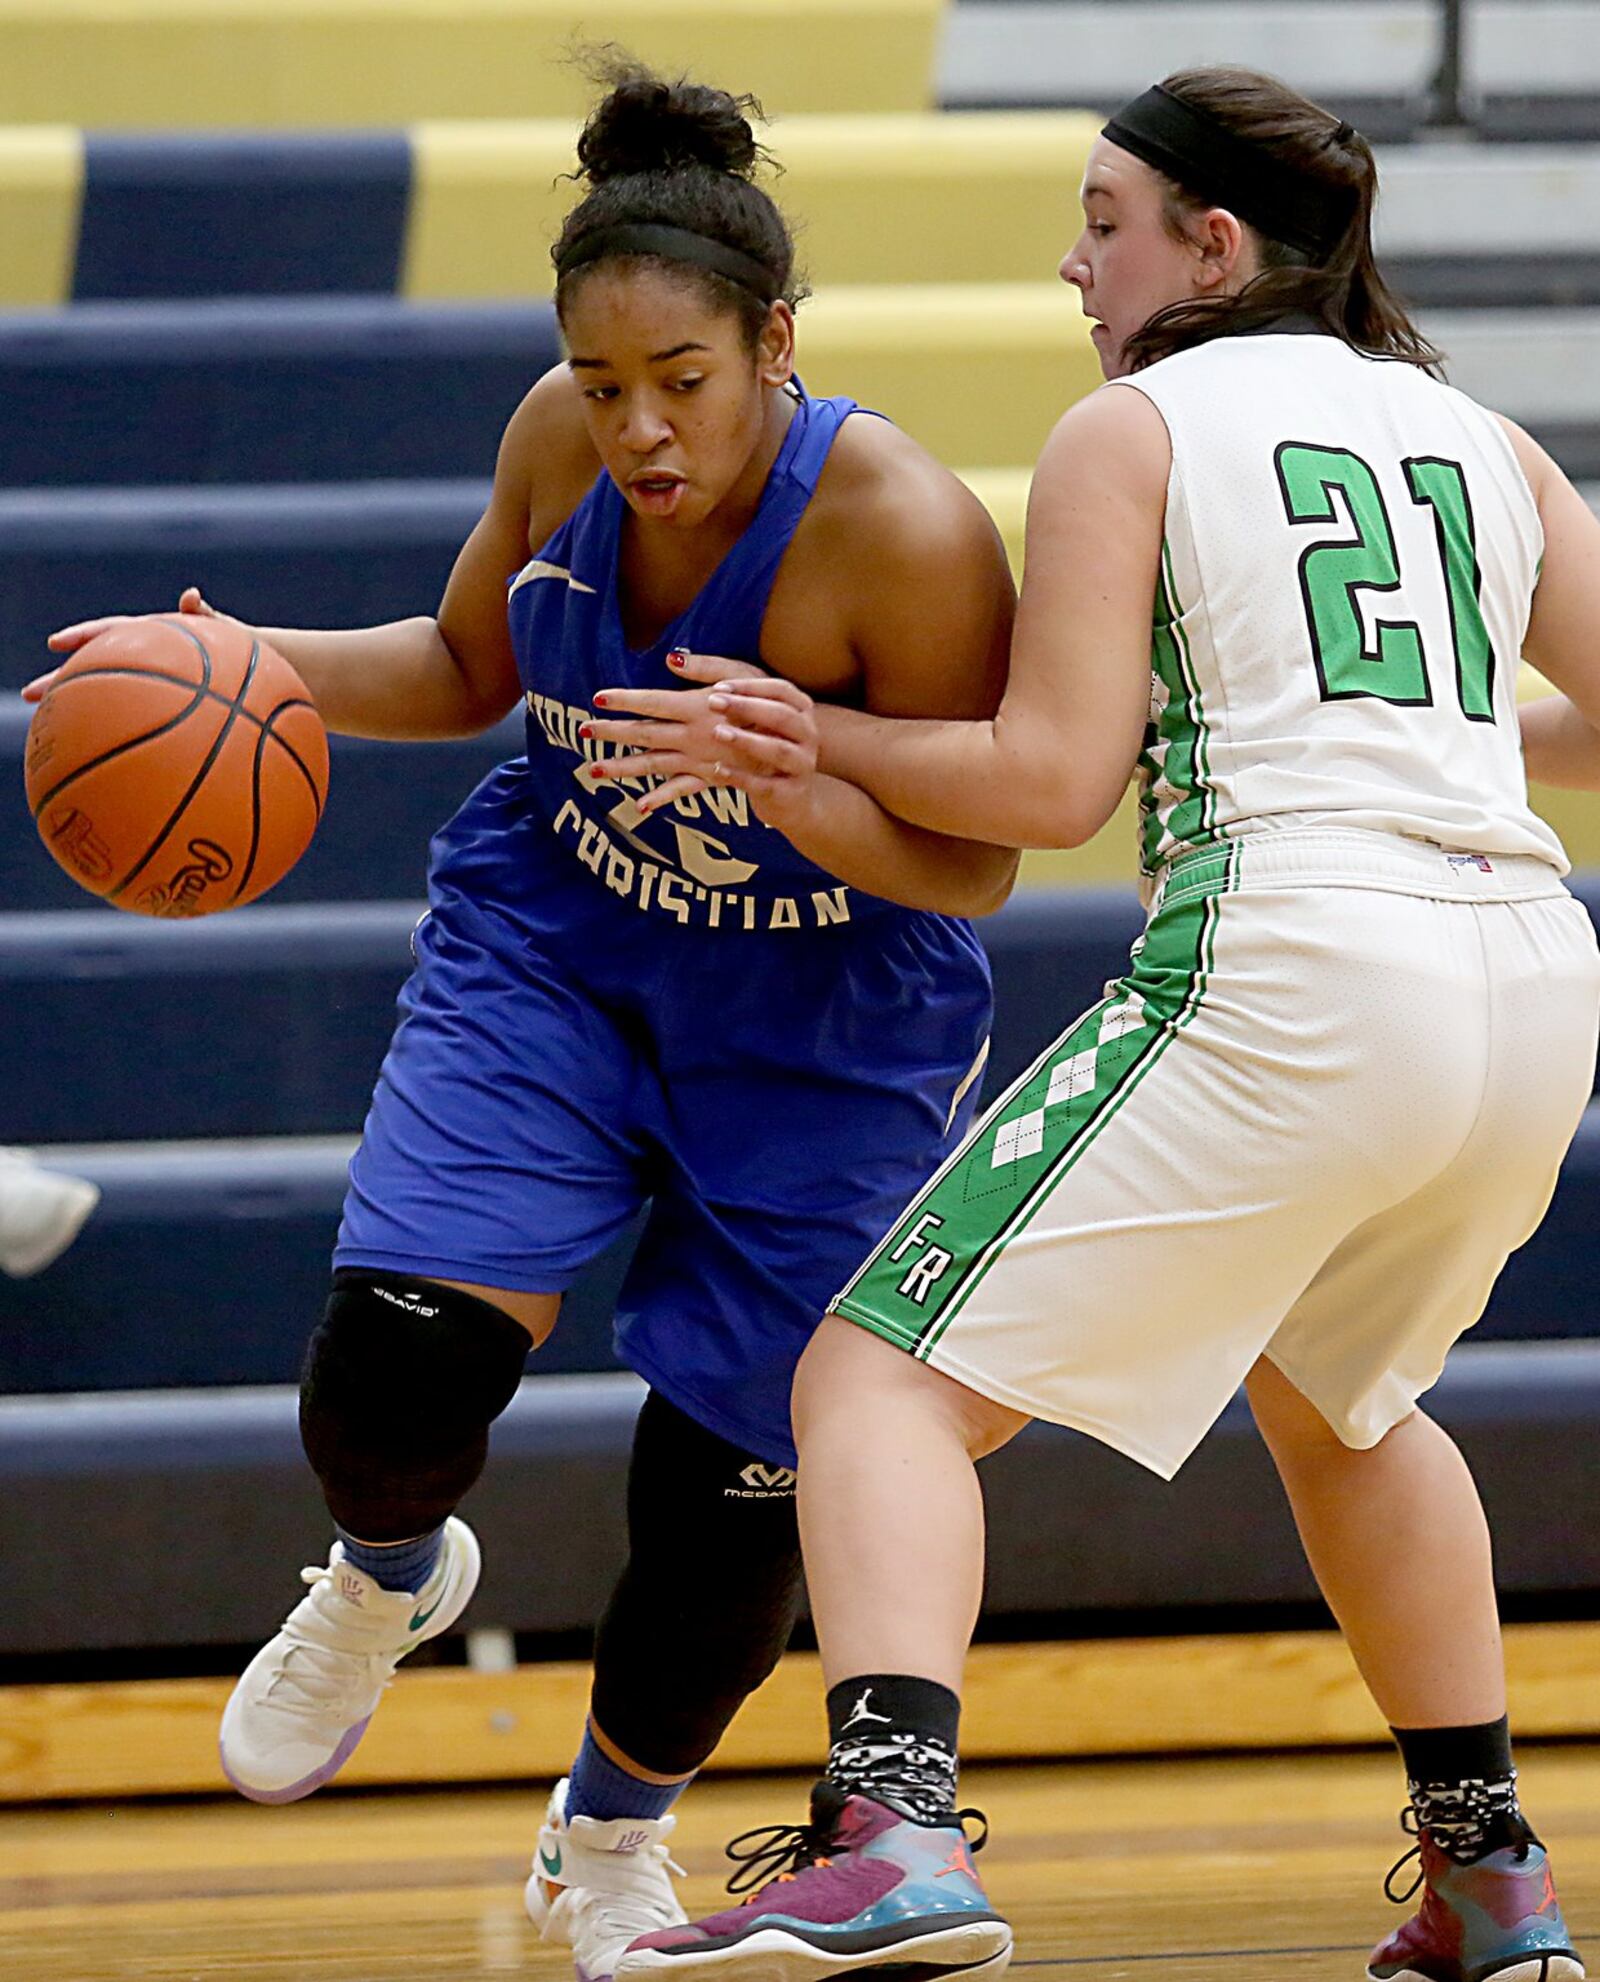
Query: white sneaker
[(41, 1212), (597, 1886), (304, 1700)]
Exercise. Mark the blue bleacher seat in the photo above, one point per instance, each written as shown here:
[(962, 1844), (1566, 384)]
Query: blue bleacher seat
[(272, 1021), (283, 1015), (115, 1482), (219, 1255), (344, 554), (239, 214), (213, 1258), (286, 1010), (385, 800), (263, 389), (262, 1022)]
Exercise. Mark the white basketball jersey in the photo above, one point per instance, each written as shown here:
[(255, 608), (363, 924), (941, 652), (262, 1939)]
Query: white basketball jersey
[(1350, 555)]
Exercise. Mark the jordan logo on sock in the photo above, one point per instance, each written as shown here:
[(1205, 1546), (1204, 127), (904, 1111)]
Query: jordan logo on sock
[(862, 1712)]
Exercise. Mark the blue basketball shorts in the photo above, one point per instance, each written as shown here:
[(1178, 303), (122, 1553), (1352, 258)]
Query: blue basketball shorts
[(775, 1103)]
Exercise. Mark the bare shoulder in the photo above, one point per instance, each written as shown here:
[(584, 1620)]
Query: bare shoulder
[(551, 416), (1535, 464), (906, 567), (1115, 436), (546, 457), (1097, 508), (889, 505), (1568, 523)]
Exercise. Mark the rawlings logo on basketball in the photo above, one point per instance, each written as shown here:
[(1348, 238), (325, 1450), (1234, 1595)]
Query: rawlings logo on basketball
[(184, 891)]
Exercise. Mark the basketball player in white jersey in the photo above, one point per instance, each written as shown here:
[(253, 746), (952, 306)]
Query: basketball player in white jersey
[(1287, 572)]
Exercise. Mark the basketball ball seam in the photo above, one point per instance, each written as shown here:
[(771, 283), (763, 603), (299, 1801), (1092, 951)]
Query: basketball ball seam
[(265, 735), (235, 710), (198, 693), (318, 792), (201, 690), (255, 815)]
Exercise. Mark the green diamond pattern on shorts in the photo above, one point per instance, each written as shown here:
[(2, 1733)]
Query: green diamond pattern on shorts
[(936, 1257), (1088, 1056)]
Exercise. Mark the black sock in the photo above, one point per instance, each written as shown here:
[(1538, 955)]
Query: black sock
[(893, 1738), (1463, 1787)]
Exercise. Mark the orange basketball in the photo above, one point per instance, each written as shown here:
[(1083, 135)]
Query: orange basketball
[(177, 766)]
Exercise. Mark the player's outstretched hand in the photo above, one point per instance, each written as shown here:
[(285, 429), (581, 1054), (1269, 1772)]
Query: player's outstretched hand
[(68, 639), (743, 727)]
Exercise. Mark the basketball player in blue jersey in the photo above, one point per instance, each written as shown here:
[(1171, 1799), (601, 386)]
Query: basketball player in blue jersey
[(773, 1036)]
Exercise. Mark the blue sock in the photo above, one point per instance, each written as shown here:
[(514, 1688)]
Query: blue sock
[(598, 1788), (395, 1565)]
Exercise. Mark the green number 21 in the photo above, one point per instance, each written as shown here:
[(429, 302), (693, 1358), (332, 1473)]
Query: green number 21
[(1332, 575)]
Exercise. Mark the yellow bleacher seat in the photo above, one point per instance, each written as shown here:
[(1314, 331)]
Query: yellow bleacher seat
[(41, 190), (1004, 493), (299, 64), (875, 199), (978, 372)]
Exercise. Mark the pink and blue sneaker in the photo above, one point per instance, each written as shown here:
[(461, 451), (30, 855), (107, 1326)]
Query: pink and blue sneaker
[(1497, 1918), (859, 1888)]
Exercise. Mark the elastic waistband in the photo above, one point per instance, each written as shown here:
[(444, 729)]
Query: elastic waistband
[(1355, 859)]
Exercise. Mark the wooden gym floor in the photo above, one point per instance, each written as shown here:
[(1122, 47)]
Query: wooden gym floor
[(1199, 1870)]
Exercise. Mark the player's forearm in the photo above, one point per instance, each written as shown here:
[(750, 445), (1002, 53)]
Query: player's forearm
[(847, 832), (953, 778), (1560, 745), (400, 682)]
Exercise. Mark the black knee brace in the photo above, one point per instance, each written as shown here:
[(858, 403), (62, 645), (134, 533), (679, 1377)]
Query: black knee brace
[(402, 1380), (708, 1599)]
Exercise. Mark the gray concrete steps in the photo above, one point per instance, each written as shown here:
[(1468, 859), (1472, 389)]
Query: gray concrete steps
[(1532, 67)]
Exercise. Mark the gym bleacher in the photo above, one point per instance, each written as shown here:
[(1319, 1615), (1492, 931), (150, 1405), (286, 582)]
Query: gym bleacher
[(266, 342)]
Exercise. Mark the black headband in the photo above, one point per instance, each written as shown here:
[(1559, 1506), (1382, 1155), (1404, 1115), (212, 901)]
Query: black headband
[(673, 244), (1190, 146)]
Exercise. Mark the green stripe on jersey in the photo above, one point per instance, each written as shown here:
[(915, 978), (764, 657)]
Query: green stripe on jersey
[(1176, 803), (1203, 788), (936, 1257)]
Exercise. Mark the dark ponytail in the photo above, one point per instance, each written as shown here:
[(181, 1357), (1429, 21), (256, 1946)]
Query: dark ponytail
[(659, 154), (1342, 289)]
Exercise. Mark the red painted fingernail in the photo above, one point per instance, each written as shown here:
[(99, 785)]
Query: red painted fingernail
[(585, 729), (599, 701), (597, 770), (676, 658)]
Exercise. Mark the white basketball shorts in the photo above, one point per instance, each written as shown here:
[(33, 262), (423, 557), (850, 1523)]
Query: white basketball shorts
[(1329, 1097)]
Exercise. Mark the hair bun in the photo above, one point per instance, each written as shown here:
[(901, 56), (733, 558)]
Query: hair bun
[(646, 124)]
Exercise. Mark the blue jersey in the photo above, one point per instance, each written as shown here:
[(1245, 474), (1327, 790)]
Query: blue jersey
[(706, 862), (611, 1009)]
